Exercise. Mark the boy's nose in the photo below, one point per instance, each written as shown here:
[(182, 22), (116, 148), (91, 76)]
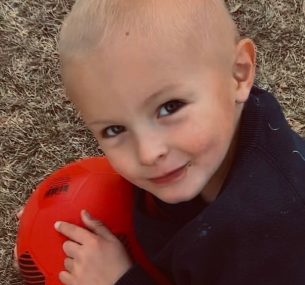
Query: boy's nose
[(151, 149)]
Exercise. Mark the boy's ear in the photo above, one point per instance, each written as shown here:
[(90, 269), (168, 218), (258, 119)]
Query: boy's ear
[(244, 69)]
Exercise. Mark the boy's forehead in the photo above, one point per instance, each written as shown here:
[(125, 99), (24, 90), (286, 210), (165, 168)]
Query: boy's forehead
[(141, 69), (126, 79)]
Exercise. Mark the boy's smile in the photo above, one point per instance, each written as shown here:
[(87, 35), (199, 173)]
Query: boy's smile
[(171, 176), (165, 118)]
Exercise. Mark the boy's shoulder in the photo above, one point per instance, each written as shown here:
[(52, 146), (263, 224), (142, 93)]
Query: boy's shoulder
[(263, 123), (265, 131)]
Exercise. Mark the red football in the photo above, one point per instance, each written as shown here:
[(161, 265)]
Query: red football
[(89, 184)]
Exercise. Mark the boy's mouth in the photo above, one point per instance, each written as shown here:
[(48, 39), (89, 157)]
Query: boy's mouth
[(171, 176)]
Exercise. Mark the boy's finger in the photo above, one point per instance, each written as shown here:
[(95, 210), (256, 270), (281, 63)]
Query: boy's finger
[(20, 212), (96, 226), (16, 265), (73, 232), (68, 263), (70, 248), (65, 278), (15, 258)]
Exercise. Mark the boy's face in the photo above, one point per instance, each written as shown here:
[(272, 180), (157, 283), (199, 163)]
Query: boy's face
[(155, 110)]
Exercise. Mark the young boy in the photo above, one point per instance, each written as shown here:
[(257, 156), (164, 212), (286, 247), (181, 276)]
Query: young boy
[(166, 87)]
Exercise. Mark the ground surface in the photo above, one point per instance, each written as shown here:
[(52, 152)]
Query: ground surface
[(39, 129)]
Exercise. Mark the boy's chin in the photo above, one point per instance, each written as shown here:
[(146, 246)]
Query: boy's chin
[(176, 199)]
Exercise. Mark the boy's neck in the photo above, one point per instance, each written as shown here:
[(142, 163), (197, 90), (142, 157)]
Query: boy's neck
[(214, 186)]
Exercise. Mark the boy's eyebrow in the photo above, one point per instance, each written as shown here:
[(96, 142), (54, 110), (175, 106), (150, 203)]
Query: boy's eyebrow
[(160, 92), (147, 101), (100, 122)]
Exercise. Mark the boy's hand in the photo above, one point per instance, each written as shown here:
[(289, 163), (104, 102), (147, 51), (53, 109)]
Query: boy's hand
[(94, 257)]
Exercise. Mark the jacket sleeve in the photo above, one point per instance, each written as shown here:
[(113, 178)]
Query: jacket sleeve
[(135, 276)]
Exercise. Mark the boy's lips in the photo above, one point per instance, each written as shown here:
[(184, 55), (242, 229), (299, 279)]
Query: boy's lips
[(170, 176)]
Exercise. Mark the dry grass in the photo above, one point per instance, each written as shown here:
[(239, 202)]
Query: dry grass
[(39, 129)]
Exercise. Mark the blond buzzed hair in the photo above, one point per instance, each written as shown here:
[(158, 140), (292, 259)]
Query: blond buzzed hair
[(93, 23)]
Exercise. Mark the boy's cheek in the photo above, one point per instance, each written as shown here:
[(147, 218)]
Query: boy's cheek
[(122, 162)]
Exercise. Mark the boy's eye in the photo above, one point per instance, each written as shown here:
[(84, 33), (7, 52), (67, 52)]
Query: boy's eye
[(112, 131), (170, 107)]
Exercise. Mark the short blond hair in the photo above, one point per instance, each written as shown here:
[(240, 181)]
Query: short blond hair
[(92, 23)]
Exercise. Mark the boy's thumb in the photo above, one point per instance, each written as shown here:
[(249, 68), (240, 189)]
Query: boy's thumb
[(95, 225)]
